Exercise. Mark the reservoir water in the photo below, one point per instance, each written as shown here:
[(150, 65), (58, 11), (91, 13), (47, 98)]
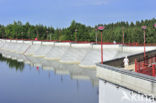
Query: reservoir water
[(54, 82)]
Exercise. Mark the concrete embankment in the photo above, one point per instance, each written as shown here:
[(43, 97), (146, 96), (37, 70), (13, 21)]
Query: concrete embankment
[(84, 54)]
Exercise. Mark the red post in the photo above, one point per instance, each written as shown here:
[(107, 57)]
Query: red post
[(153, 70), (135, 65), (101, 49), (101, 28)]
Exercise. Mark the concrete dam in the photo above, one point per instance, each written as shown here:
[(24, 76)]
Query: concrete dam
[(82, 54)]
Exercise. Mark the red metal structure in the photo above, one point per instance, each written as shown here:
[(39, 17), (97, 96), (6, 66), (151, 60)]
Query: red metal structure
[(146, 66)]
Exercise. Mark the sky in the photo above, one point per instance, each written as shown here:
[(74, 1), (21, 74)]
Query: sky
[(60, 13)]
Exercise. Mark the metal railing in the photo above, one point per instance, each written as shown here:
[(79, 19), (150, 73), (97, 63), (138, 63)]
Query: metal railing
[(146, 65)]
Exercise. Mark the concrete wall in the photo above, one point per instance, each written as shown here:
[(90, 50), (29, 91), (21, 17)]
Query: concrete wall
[(19, 41), (8, 41), (138, 48), (48, 43), (13, 41), (98, 46), (37, 42), (28, 42), (135, 81), (62, 44)]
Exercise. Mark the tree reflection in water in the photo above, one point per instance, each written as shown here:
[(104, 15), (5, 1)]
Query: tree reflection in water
[(12, 63)]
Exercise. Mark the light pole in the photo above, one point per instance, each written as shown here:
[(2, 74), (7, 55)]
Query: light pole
[(123, 36), (101, 28), (76, 35), (144, 29)]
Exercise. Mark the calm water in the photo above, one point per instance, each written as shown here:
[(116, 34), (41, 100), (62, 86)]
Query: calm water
[(52, 82), (27, 84)]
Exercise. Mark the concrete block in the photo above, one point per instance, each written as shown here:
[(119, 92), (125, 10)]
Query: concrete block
[(81, 45), (114, 46), (19, 41), (37, 42), (62, 44), (28, 42), (48, 43)]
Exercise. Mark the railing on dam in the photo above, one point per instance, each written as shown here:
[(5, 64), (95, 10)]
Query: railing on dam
[(70, 41), (146, 65)]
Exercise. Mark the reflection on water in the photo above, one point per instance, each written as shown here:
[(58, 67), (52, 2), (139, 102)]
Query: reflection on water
[(43, 81), (13, 63), (46, 84)]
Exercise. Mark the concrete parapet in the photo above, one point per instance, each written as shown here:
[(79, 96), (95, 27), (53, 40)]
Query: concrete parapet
[(81, 45), (132, 80), (48, 43), (62, 44), (2, 40), (13, 41), (28, 42), (19, 41), (138, 48), (8, 41), (98, 46), (37, 42)]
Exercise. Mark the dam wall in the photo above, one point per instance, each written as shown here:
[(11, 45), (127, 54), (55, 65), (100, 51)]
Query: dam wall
[(83, 54)]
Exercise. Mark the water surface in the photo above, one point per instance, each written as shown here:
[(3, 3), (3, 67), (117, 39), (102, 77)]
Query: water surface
[(41, 81)]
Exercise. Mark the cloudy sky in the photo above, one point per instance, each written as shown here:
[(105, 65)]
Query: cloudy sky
[(60, 13)]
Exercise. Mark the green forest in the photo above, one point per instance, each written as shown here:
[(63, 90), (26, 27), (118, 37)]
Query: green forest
[(80, 32)]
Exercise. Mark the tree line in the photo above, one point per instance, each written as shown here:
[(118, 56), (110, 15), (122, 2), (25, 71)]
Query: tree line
[(80, 32)]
